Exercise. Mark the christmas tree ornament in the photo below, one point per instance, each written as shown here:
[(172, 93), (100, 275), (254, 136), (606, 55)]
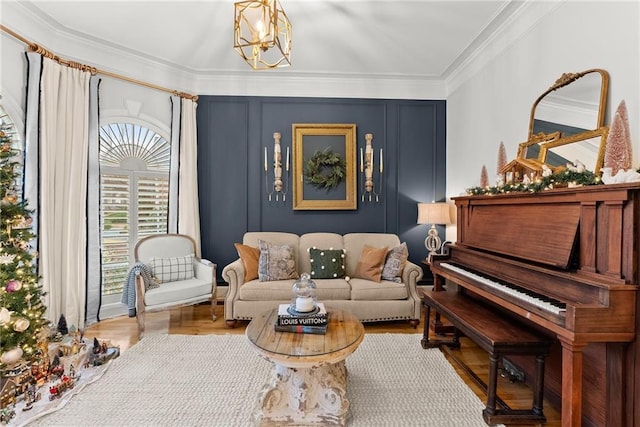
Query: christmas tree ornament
[(13, 285), (5, 316), (21, 325), (10, 197), (10, 357), (7, 259), (20, 222)]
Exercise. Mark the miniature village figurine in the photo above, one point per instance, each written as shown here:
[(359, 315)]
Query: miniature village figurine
[(31, 395), (7, 413), (73, 373)]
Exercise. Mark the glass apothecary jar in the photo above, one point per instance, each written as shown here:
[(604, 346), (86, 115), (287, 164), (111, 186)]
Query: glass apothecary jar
[(304, 290)]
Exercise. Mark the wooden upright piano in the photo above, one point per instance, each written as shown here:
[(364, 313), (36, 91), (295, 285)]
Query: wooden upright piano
[(566, 262)]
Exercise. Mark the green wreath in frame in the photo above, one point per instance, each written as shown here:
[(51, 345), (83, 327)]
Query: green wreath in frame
[(325, 169)]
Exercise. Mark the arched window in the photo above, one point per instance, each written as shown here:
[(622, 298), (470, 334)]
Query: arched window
[(134, 197)]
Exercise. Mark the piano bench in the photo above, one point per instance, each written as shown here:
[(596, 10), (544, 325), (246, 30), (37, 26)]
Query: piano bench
[(497, 335)]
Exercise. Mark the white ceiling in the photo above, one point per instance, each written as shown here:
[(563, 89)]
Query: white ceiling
[(366, 38)]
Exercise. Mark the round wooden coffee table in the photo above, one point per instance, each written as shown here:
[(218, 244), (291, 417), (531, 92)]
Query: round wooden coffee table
[(309, 381)]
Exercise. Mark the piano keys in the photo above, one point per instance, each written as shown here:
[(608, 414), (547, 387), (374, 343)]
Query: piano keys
[(541, 301)]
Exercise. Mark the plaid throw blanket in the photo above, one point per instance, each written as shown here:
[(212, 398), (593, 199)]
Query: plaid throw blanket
[(129, 289)]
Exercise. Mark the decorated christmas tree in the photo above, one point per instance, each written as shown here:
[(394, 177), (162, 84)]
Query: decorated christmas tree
[(484, 177), (22, 320), (502, 158), (618, 154)]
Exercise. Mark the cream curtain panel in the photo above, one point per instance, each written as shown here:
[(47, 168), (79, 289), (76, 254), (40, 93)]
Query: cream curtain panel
[(31, 170), (64, 121), (184, 210), (94, 258), (188, 204), (174, 168)]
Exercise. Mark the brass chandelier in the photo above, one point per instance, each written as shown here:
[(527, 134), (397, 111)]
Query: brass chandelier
[(262, 34)]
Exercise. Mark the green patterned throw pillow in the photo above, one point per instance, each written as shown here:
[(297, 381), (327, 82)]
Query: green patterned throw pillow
[(327, 263)]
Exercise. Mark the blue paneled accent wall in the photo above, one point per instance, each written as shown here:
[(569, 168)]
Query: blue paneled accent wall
[(232, 134)]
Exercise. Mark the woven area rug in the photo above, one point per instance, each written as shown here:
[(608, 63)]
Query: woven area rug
[(214, 380)]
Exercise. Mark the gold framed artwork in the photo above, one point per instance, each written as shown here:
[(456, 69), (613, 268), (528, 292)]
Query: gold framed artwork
[(324, 166)]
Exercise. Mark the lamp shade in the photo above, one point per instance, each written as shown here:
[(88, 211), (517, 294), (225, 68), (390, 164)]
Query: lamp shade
[(433, 213)]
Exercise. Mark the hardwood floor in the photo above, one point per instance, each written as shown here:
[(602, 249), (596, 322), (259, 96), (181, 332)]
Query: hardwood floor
[(195, 320)]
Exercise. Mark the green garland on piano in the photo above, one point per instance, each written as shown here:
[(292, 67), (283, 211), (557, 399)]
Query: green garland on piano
[(565, 177)]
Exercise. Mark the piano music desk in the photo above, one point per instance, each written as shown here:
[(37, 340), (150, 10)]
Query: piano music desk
[(499, 337)]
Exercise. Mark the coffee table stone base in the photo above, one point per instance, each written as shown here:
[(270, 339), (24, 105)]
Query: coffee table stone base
[(305, 396)]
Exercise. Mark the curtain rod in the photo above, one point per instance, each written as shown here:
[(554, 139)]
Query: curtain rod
[(34, 47)]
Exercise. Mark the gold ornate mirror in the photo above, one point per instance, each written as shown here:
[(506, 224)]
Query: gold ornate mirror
[(575, 103), (567, 121)]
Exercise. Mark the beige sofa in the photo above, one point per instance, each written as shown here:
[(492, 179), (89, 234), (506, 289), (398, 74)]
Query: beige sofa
[(370, 301)]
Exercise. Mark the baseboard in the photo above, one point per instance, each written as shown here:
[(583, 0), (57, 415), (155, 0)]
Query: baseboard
[(221, 292)]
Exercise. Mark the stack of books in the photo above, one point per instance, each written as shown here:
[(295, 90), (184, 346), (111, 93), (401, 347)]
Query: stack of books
[(291, 321)]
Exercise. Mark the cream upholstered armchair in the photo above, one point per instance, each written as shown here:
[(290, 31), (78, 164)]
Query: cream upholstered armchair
[(179, 278)]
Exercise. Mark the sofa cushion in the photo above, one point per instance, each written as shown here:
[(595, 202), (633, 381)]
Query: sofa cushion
[(173, 268), (371, 263), (354, 242), (326, 263), (281, 290), (374, 291), (276, 262), (252, 238), (250, 257), (395, 262), (316, 240), (176, 291)]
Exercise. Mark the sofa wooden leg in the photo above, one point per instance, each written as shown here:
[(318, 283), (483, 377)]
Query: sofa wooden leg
[(232, 323), (414, 323)]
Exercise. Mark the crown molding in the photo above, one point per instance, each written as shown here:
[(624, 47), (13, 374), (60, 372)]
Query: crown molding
[(510, 23), (28, 21), (261, 84), (514, 21)]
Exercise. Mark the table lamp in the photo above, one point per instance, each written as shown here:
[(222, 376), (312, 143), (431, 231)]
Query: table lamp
[(433, 213)]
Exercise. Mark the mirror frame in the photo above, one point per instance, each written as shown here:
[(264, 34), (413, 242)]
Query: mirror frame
[(540, 138), (603, 132), (568, 78)]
